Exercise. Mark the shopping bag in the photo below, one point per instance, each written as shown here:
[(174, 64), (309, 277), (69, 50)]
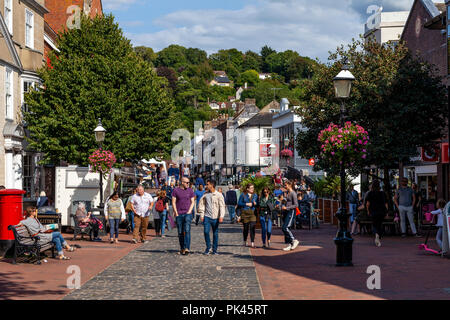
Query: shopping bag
[(172, 223)]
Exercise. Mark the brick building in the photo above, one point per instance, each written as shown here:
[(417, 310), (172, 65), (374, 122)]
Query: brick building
[(424, 34)]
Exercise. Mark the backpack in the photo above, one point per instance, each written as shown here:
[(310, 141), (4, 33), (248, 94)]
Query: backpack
[(159, 205)]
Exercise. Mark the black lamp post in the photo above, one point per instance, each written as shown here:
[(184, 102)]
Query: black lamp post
[(342, 85), (100, 133)]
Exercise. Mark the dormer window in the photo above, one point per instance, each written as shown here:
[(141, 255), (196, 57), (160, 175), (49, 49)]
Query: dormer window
[(8, 15)]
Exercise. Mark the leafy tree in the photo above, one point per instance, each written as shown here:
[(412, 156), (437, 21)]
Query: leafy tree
[(252, 61), (250, 76), (265, 52), (196, 56), (98, 75), (169, 74), (147, 54), (173, 56), (396, 97)]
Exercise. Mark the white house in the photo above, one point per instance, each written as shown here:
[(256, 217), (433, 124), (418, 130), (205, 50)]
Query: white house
[(288, 123)]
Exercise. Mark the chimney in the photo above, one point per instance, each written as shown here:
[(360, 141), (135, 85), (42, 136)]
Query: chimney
[(250, 101)]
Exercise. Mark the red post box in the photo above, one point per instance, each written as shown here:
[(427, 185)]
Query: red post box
[(11, 213)]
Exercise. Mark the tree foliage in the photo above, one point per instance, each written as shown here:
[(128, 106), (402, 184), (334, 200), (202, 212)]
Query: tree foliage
[(396, 97), (97, 74)]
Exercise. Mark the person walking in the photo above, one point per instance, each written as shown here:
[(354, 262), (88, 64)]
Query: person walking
[(353, 199), (440, 221), (198, 195), (377, 208), (266, 207), (183, 204), (212, 211), (199, 181), (142, 205), (161, 209), (129, 211), (42, 201), (115, 214), (247, 204), (404, 199), (289, 208), (231, 202)]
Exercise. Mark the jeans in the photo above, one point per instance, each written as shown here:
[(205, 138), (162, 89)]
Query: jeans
[(209, 223), (288, 219), (59, 242), (184, 230), (232, 212), (410, 213), (439, 237), (114, 227), (352, 210), (266, 228), (131, 220), (163, 217)]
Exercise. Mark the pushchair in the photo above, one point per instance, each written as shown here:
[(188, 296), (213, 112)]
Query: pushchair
[(304, 216)]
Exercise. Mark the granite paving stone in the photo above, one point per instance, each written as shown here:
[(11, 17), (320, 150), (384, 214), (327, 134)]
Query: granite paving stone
[(155, 271)]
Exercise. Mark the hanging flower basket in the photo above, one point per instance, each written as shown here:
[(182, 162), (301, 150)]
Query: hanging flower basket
[(102, 161), (287, 153), (347, 144)]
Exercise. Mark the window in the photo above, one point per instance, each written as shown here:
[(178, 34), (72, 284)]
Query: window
[(27, 85), (8, 15), (268, 133), (28, 176), (8, 94), (29, 29)]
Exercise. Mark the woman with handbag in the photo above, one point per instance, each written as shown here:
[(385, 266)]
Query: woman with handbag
[(266, 207), (247, 203)]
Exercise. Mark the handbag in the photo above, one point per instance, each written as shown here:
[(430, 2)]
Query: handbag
[(128, 207)]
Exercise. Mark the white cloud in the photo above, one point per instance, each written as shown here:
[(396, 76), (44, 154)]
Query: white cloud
[(310, 27)]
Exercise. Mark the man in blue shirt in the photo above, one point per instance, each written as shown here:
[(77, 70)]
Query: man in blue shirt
[(199, 181), (231, 202), (277, 192)]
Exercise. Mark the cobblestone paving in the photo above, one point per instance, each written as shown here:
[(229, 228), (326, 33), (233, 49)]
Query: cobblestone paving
[(156, 271)]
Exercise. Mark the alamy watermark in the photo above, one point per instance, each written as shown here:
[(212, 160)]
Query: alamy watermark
[(74, 280), (374, 281)]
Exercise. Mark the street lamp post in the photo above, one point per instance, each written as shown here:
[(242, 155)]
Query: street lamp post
[(342, 85), (100, 133)]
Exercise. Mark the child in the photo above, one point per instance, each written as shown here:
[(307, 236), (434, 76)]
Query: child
[(440, 220)]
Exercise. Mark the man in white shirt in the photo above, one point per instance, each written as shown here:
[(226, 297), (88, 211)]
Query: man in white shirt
[(141, 204), (212, 211)]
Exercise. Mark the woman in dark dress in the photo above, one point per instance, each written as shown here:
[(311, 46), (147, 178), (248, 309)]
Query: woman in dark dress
[(377, 205)]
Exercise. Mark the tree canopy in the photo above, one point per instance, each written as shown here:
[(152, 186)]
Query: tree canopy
[(97, 74), (396, 97)]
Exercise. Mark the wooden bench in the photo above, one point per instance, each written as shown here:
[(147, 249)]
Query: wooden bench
[(365, 222), (25, 243)]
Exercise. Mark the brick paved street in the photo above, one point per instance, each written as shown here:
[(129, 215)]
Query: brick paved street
[(156, 271), (309, 272)]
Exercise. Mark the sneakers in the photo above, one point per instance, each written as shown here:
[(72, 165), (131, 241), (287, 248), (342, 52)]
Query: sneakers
[(207, 252), (186, 252), (134, 241), (377, 240), (418, 235), (288, 248), (215, 253), (295, 244)]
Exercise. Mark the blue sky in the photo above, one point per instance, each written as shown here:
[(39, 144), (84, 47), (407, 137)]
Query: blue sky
[(310, 27)]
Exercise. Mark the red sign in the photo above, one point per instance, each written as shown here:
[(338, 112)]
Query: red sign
[(264, 150), (444, 153), (430, 154), (312, 162)]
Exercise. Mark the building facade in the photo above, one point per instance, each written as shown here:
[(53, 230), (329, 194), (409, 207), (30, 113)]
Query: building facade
[(21, 55)]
